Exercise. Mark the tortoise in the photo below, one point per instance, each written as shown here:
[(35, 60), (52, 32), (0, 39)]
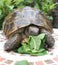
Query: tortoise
[(24, 22)]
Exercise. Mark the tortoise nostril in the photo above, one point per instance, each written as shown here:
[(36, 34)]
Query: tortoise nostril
[(33, 30)]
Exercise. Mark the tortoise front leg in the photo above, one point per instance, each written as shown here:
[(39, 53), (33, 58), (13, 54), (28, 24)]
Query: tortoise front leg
[(49, 39), (13, 42)]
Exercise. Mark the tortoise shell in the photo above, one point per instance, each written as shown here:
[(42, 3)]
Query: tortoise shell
[(21, 18)]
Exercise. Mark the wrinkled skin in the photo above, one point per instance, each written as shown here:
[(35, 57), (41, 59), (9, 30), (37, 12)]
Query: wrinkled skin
[(49, 39), (22, 23)]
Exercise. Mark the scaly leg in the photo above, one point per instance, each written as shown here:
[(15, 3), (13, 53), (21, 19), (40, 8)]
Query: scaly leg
[(13, 42), (49, 39)]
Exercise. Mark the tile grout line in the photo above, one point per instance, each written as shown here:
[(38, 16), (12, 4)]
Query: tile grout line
[(55, 61)]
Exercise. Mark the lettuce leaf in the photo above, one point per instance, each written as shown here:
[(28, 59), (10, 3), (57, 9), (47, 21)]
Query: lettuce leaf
[(34, 46), (23, 62)]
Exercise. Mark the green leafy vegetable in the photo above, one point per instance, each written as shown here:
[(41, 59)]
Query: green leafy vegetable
[(35, 46), (43, 38), (39, 53), (24, 49), (23, 62)]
